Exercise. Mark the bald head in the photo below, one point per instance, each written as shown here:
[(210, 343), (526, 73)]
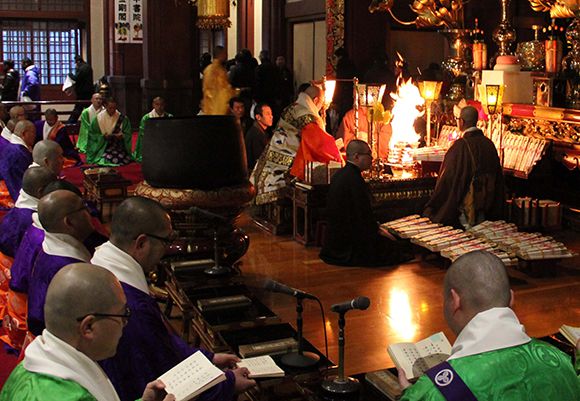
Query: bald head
[(136, 216), (356, 146), (469, 115), (62, 185), (54, 207), (67, 300), (23, 127), (26, 131), (17, 113), (35, 179), (49, 154), (480, 279)]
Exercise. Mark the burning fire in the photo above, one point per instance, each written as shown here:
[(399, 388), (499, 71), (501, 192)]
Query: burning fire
[(405, 112)]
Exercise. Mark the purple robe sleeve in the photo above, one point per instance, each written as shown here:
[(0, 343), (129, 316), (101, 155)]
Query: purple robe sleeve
[(147, 349), (45, 268), (24, 259), (13, 164), (13, 228)]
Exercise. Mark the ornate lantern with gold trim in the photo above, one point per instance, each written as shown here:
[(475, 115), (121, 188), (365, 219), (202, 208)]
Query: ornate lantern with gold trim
[(213, 14)]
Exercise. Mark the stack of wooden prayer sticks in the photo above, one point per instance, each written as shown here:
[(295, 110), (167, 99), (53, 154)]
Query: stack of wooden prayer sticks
[(498, 237), (520, 153)]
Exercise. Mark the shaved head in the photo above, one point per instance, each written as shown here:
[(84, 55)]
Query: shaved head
[(35, 179), (135, 216), (480, 279), (54, 207), (49, 154), (17, 113), (26, 131), (23, 126), (77, 290), (469, 115), (356, 146)]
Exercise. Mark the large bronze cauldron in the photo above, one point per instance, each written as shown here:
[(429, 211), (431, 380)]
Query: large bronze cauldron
[(203, 152)]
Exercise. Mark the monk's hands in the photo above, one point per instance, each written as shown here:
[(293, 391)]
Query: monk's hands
[(242, 381), (225, 361), (403, 382), (155, 391)]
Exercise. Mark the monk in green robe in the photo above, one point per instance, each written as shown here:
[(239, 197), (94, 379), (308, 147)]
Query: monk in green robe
[(110, 134), (87, 117), (60, 365), (492, 355), (157, 112)]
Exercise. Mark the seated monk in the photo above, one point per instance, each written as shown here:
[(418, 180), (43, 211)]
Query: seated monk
[(61, 364), (157, 112), (87, 117), (17, 221), (17, 113), (353, 237), (15, 158), (492, 358), (47, 153), (66, 222), (54, 130), (110, 135), (16, 314)]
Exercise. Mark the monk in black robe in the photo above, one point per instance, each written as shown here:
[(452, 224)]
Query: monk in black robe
[(352, 237), (474, 153)]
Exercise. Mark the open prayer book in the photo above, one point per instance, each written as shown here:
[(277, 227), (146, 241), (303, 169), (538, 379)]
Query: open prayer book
[(191, 377), (571, 333), (261, 366), (416, 358)]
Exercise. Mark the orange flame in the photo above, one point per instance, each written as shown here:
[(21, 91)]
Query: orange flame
[(405, 112)]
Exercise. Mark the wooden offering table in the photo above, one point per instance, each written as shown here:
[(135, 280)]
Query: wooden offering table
[(105, 187)]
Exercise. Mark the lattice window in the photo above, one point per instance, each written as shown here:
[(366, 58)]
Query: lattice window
[(42, 5), (51, 45)]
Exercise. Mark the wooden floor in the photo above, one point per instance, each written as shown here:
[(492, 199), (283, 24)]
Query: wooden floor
[(406, 300)]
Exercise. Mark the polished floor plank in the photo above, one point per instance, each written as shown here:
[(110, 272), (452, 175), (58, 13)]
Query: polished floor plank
[(406, 300)]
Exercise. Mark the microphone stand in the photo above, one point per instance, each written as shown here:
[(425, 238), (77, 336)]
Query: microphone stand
[(217, 269), (299, 359), (341, 385)]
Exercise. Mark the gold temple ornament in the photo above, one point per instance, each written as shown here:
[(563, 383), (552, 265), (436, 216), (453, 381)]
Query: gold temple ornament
[(213, 14)]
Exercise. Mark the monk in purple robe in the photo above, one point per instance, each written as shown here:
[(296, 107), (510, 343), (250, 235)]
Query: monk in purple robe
[(140, 232), (17, 221), (67, 223), (17, 156), (49, 154)]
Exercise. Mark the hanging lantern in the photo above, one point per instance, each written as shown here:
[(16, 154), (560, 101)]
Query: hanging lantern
[(213, 14)]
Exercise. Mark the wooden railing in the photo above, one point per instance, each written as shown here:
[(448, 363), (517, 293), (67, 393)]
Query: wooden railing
[(34, 110)]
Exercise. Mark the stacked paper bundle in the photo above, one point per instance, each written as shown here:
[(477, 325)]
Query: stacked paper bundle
[(534, 246), (493, 230), (521, 153), (479, 244), (431, 154), (409, 226)]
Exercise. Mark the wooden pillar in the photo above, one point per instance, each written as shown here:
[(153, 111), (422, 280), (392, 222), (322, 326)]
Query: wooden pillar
[(246, 24), (170, 55)]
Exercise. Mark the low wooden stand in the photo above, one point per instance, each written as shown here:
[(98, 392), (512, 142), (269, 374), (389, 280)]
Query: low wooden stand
[(106, 190)]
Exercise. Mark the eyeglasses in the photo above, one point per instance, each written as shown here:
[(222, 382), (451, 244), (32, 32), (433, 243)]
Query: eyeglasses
[(364, 154), (166, 240), (83, 207), (125, 316)]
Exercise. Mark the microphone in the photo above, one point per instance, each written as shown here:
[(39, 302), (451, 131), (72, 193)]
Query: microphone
[(360, 303), (205, 213), (275, 286)]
